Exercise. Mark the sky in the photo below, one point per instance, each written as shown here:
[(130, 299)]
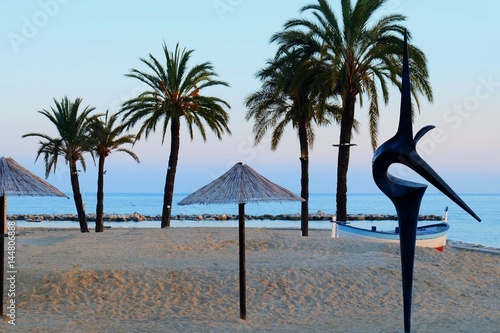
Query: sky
[(84, 48)]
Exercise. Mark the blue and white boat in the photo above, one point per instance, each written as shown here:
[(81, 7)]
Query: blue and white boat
[(433, 235)]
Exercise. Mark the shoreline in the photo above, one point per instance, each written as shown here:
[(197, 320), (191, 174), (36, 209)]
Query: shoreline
[(208, 221), (449, 242)]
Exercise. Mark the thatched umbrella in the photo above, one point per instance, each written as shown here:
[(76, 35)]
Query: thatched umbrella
[(241, 185), (18, 181)]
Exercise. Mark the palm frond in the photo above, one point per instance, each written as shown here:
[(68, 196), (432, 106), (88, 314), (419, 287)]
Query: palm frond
[(72, 127), (176, 91)]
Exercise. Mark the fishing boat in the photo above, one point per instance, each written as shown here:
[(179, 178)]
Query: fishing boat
[(433, 235)]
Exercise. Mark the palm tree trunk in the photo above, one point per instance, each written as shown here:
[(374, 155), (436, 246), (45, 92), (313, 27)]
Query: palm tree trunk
[(99, 210), (304, 179), (77, 196), (346, 125), (172, 169)]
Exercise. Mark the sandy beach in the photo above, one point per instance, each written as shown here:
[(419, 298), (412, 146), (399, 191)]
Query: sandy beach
[(186, 280)]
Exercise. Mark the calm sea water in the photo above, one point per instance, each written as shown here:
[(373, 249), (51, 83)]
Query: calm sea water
[(463, 227)]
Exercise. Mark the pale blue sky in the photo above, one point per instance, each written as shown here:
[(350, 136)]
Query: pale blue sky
[(83, 48)]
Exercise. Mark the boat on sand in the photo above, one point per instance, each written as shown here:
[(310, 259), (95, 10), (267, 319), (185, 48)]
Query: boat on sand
[(433, 235)]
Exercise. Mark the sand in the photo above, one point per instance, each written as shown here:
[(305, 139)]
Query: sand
[(186, 280)]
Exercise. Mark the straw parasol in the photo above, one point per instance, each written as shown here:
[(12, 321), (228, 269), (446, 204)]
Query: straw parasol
[(18, 181), (240, 185)]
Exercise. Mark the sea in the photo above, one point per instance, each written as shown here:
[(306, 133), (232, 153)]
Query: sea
[(463, 228)]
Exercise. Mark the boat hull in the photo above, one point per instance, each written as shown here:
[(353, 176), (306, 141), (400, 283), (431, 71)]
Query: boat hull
[(433, 236)]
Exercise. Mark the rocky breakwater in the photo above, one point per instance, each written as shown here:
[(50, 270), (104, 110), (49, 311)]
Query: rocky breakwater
[(137, 217)]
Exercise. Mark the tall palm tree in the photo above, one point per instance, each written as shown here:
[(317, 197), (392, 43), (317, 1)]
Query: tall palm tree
[(72, 142), (174, 92), (364, 54), (107, 137), (289, 96)]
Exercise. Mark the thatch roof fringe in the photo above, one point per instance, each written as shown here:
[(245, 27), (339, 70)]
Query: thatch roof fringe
[(240, 184), (18, 181)]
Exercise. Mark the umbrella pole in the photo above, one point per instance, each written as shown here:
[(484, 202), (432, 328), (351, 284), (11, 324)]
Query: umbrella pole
[(3, 212), (241, 229)]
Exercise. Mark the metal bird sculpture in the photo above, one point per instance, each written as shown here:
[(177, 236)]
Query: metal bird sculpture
[(406, 195)]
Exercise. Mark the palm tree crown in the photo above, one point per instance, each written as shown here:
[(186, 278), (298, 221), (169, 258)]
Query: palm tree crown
[(73, 138), (175, 93), (107, 136), (363, 56)]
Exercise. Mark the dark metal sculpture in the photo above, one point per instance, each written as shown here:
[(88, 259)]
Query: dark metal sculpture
[(405, 195)]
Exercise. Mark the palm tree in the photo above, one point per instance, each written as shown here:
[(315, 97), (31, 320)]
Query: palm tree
[(106, 138), (289, 95), (174, 93), (363, 53), (72, 142)]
